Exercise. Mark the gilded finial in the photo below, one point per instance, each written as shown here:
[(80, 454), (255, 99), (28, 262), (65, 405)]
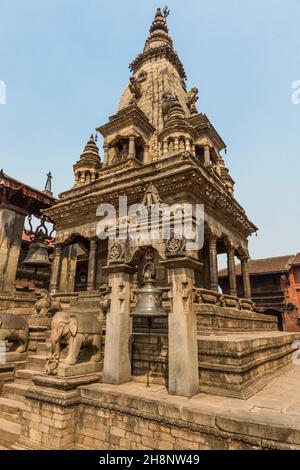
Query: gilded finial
[(166, 11)]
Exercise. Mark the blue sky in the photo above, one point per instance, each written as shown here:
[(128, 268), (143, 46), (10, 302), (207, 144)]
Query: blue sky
[(65, 65)]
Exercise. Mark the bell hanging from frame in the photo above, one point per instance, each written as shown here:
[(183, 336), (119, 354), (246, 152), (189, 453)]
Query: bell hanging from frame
[(149, 302), (37, 255)]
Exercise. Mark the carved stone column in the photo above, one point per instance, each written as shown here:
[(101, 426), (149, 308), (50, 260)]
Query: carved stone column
[(176, 143), (165, 147), (117, 362), (91, 283), (106, 155), (146, 155), (11, 229), (218, 167), (188, 145), (213, 262), (206, 155), (131, 150), (231, 270), (56, 268), (246, 276), (194, 150), (183, 347)]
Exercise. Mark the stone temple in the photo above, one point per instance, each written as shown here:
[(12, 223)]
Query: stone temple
[(84, 369)]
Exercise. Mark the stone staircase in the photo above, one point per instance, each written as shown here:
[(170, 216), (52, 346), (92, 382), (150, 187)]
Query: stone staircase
[(12, 399)]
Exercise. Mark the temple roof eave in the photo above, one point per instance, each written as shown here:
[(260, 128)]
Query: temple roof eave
[(184, 168), (131, 115), (202, 124)]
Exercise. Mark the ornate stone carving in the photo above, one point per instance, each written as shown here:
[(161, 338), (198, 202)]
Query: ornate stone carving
[(15, 330), (104, 300), (116, 253), (149, 270), (52, 364), (46, 306), (151, 197), (168, 100), (192, 98), (135, 88), (175, 246), (142, 76)]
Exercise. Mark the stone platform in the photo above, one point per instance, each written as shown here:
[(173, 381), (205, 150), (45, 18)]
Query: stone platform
[(218, 319), (130, 416), (133, 417), (239, 365)]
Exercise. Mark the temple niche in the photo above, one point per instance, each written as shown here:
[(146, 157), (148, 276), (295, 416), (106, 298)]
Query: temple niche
[(145, 311)]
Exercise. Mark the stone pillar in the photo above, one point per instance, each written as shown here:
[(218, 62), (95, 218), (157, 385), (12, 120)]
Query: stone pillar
[(117, 361), (206, 269), (91, 283), (131, 151), (231, 271), (146, 155), (106, 155), (72, 264), (176, 143), (188, 145), (218, 167), (246, 276), (206, 155), (11, 230), (213, 263), (56, 268), (194, 150), (183, 347), (165, 147)]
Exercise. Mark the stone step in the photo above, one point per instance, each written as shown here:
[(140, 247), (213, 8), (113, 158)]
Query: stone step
[(14, 406), (43, 348), (36, 362), (15, 391), (9, 432), (24, 376), (11, 409), (18, 447)]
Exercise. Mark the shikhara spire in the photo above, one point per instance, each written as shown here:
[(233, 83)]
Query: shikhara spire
[(159, 22), (87, 168)]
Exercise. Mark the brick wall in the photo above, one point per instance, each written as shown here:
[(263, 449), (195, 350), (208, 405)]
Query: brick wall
[(155, 346)]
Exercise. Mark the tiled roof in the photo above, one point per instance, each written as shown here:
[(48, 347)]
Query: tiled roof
[(296, 260), (265, 266)]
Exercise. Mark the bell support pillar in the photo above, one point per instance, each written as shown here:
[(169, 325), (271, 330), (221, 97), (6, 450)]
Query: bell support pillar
[(117, 361), (183, 350), (11, 229)]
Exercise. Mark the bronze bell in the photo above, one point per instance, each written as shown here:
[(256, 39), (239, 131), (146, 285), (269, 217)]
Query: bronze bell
[(37, 255), (149, 302)]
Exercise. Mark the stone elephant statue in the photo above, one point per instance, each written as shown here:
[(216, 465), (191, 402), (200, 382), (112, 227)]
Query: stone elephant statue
[(75, 330), (15, 329)]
